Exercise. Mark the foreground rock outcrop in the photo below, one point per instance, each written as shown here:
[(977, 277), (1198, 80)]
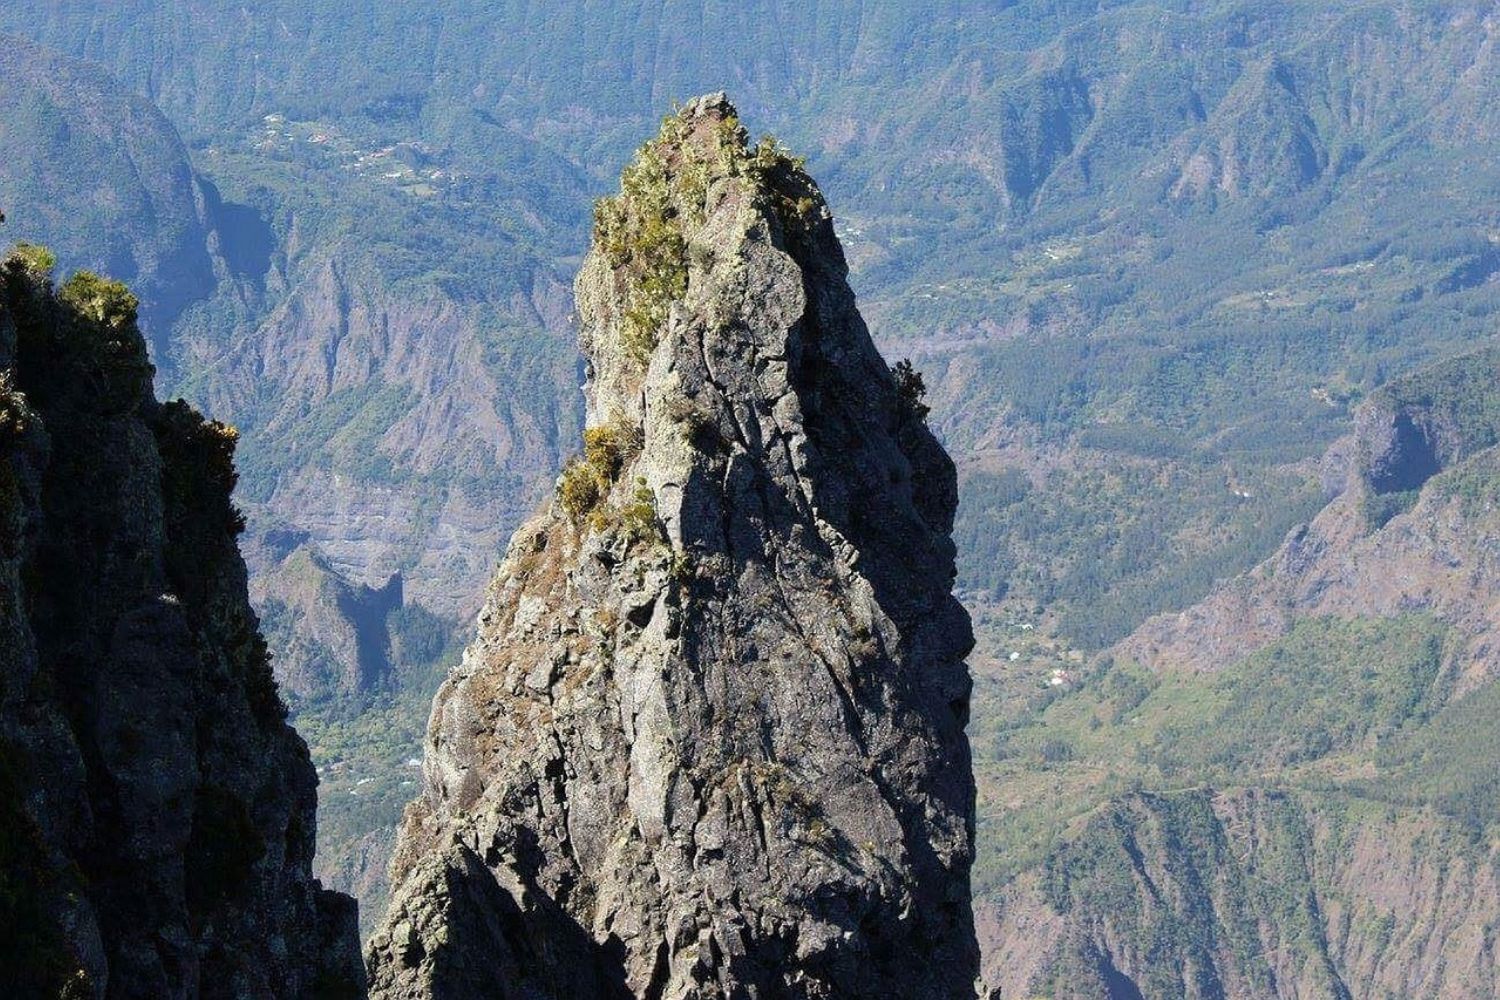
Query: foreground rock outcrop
[(709, 739), (156, 811)]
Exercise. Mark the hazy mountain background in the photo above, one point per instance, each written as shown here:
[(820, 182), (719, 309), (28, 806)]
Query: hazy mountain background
[(1152, 257)]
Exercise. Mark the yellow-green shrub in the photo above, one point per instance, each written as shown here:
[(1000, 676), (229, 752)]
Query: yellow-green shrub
[(36, 260), (578, 489), (102, 300)]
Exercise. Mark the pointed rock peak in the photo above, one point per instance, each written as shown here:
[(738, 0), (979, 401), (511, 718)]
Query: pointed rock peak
[(716, 291), (688, 202), (709, 738)]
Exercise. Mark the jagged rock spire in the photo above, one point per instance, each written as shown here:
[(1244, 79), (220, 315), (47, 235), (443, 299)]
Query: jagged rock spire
[(709, 738)]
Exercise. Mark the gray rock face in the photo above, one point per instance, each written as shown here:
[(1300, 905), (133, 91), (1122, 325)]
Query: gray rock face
[(709, 739), (1421, 424), (156, 811)]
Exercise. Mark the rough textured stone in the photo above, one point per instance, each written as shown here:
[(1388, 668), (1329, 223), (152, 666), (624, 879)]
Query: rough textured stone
[(156, 811), (709, 738)]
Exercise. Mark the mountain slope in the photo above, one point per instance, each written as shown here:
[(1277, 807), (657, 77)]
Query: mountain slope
[(1432, 557), (1287, 790), (98, 175), (1252, 894)]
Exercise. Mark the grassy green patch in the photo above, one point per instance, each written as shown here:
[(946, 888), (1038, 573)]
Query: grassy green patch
[(1325, 707)]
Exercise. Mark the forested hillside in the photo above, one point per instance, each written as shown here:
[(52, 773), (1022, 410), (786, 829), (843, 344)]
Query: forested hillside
[(103, 176), (1289, 789), (1149, 255)]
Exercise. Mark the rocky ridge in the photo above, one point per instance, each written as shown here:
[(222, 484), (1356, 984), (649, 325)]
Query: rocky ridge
[(157, 825), (1382, 547), (709, 738)]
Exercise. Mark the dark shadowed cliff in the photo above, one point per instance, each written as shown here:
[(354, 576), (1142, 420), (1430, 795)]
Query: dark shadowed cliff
[(156, 811)]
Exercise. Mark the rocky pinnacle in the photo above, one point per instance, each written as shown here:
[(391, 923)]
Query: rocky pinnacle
[(709, 739)]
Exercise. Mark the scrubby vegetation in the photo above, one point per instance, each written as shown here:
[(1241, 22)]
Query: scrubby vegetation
[(102, 301), (639, 234), (638, 516), (586, 481), (606, 449), (15, 412), (578, 489), (641, 231), (37, 261), (198, 473), (912, 389)]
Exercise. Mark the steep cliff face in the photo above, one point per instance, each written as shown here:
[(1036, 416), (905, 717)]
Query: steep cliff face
[(158, 817), (709, 739)]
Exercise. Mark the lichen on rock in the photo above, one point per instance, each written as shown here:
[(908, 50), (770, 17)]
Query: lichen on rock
[(709, 738)]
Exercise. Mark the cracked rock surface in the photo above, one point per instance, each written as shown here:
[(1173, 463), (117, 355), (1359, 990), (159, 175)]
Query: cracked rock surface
[(708, 741)]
